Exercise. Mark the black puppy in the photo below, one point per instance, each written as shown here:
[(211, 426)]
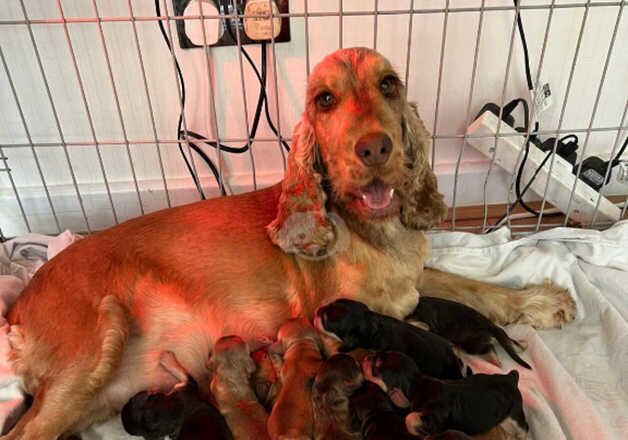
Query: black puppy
[(375, 416), (180, 414), (465, 327), (356, 326), (474, 404)]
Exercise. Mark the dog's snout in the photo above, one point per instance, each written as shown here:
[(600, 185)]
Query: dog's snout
[(374, 149)]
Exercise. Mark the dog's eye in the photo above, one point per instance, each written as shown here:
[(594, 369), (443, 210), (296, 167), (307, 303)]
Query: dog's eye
[(388, 86), (325, 100)]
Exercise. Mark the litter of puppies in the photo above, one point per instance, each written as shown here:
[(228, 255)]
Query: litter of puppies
[(384, 379)]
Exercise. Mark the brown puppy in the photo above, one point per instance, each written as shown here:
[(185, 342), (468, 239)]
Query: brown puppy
[(292, 416), (335, 381), (244, 264), (232, 368), (266, 381)]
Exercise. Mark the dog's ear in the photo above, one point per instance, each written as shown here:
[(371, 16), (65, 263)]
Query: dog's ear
[(301, 226), (423, 206)]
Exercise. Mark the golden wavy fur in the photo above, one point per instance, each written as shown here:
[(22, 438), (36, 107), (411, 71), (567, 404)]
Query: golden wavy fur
[(347, 221)]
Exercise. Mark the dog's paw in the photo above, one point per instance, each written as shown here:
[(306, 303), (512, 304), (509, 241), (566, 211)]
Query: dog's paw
[(546, 306), (414, 423)]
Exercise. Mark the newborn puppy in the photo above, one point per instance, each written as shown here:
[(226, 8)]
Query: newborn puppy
[(474, 404), (335, 381), (232, 368), (357, 326), (374, 416), (465, 327), (266, 378), (181, 414), (292, 416)]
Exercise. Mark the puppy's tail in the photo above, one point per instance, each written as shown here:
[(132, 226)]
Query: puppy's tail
[(509, 345)]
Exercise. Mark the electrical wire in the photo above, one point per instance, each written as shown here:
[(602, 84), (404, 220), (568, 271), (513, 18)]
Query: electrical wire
[(262, 101), (180, 121)]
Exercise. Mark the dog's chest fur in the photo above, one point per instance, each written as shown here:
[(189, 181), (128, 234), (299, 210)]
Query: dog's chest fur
[(381, 271)]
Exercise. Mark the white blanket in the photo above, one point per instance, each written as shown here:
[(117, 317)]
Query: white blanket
[(578, 388)]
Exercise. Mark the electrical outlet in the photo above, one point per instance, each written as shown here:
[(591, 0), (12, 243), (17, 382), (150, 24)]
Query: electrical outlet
[(561, 180), (252, 29)]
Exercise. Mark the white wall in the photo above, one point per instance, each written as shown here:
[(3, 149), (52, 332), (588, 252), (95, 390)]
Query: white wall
[(392, 36)]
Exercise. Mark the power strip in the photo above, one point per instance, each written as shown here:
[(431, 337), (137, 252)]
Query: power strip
[(507, 150)]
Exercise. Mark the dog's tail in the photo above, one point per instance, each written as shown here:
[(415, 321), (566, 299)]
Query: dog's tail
[(509, 345)]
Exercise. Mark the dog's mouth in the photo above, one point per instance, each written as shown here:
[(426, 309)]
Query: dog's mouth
[(377, 198)]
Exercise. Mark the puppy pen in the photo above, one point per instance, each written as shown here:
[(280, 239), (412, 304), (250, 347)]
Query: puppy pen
[(115, 108)]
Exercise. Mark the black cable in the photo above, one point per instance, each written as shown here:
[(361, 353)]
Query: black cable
[(619, 153), (524, 44), (180, 122)]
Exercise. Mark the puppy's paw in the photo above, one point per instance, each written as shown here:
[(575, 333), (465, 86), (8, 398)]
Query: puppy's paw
[(414, 423), (546, 306)]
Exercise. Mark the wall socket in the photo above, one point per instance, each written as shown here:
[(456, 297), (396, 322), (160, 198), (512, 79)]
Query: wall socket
[(252, 30)]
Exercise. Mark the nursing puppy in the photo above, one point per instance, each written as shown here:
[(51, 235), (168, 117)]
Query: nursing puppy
[(180, 413), (292, 416), (473, 405), (232, 368), (335, 381), (374, 416), (356, 326), (266, 380), (464, 327)]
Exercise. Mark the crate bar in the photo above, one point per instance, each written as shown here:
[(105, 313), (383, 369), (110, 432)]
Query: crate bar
[(375, 19), (616, 145), (499, 119), (340, 20), (312, 14), (246, 109), (212, 116), (564, 107), (468, 114), (113, 142), (56, 117), (439, 82), (87, 112), (409, 45), (13, 186), (117, 102), (30, 139), (306, 16), (184, 125), (271, 17), (593, 113), (151, 112), (532, 112)]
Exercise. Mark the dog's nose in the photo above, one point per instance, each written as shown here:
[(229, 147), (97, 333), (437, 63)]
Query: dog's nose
[(373, 149)]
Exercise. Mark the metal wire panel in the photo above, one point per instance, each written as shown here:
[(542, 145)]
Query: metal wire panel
[(120, 161)]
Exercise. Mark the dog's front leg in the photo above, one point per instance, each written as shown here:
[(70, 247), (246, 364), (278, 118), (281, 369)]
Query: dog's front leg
[(542, 306)]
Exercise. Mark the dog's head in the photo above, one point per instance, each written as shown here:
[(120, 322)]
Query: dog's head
[(346, 320), (231, 366), (359, 146)]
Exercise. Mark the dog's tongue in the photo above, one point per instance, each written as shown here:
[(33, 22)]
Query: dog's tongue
[(377, 195)]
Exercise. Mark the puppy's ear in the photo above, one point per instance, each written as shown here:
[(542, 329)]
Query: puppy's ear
[(301, 226), (423, 206)]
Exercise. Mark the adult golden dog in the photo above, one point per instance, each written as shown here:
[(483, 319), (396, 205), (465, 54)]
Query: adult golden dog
[(346, 221)]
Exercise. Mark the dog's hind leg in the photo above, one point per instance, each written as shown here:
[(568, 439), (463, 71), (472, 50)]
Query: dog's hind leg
[(61, 398)]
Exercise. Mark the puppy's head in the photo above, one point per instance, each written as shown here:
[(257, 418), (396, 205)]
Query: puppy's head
[(346, 320), (335, 381), (369, 399), (153, 415), (296, 330), (231, 365), (393, 372)]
